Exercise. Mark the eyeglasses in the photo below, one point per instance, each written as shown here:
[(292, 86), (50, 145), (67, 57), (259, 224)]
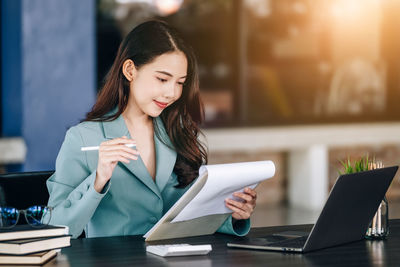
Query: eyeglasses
[(35, 216)]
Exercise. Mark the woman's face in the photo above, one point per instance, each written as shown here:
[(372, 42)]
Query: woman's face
[(158, 84)]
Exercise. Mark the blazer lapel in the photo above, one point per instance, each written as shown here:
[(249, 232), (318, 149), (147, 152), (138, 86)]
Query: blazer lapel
[(117, 128), (165, 155)]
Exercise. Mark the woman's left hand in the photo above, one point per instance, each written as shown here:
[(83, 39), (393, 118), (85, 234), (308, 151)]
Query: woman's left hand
[(244, 208)]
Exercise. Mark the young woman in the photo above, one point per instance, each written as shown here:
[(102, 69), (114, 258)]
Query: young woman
[(150, 99)]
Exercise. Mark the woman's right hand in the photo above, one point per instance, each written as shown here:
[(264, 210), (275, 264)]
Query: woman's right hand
[(110, 152)]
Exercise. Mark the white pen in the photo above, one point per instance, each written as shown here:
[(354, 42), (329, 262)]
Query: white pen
[(90, 148)]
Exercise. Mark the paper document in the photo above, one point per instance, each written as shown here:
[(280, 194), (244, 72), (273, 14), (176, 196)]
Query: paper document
[(223, 180)]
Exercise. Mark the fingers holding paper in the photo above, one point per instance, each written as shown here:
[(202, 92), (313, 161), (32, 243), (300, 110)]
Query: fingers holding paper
[(243, 208)]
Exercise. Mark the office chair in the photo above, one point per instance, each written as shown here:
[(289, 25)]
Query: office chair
[(25, 189)]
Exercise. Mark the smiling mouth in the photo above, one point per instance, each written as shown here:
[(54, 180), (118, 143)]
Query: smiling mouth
[(161, 105)]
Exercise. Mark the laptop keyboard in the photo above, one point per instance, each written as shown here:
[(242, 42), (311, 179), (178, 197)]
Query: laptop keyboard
[(291, 243)]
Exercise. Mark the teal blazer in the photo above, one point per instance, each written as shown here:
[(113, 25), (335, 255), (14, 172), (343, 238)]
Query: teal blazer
[(131, 202)]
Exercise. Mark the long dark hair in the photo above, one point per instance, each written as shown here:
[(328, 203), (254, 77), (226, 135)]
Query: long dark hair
[(181, 119)]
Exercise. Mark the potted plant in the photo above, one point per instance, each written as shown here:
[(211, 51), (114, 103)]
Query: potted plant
[(379, 226)]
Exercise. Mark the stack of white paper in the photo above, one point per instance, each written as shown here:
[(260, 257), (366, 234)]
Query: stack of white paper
[(223, 180)]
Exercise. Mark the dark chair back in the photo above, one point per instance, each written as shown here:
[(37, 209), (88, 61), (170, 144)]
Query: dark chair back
[(25, 189)]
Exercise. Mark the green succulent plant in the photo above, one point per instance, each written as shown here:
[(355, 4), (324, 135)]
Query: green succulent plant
[(355, 166)]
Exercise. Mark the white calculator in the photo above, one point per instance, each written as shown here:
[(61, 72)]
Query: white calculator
[(178, 250)]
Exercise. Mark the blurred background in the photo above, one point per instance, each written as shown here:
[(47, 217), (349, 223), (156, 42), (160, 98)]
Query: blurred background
[(304, 83)]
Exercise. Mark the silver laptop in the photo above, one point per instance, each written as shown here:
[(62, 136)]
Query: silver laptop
[(345, 217)]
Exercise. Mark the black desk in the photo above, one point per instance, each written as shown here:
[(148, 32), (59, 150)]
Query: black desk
[(130, 251)]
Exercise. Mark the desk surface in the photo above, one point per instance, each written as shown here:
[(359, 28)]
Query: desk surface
[(130, 250)]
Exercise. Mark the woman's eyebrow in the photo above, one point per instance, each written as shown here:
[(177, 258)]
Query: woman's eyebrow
[(168, 74)]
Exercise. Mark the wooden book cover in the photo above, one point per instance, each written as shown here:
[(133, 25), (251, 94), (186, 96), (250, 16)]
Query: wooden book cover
[(25, 246), (26, 231), (206, 225), (33, 259)]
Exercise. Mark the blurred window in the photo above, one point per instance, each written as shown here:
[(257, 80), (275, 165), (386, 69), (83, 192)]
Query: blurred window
[(277, 62)]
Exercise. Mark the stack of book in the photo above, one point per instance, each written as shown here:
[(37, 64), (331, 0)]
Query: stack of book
[(24, 244)]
